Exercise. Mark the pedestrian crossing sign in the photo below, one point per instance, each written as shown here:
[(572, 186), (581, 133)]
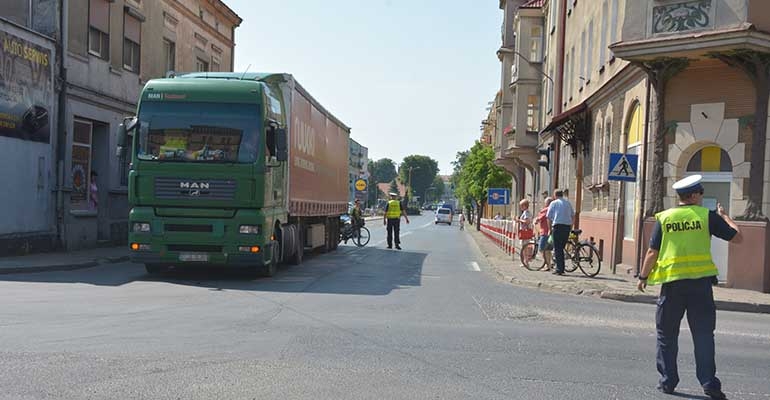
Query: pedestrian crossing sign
[(623, 167)]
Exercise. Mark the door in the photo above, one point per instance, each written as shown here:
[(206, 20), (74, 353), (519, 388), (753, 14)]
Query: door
[(718, 192)]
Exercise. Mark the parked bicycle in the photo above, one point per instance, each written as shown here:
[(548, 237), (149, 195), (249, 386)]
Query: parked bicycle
[(581, 254), (358, 234)]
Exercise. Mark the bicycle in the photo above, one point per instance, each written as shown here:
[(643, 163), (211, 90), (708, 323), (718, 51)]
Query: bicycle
[(360, 235), (583, 254)]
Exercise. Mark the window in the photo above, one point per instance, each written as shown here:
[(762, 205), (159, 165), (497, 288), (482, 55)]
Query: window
[(569, 7), (82, 134), (603, 43), (201, 66), (169, 53), (200, 12), (566, 78), (99, 28), (553, 13), (590, 51), (536, 44), (550, 93), (614, 25), (215, 64), (132, 33), (533, 113), (583, 46)]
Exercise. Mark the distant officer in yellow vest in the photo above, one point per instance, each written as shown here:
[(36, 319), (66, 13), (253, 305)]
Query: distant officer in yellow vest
[(393, 213), (679, 258)]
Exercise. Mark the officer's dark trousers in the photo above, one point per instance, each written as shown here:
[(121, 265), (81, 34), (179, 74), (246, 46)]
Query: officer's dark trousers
[(696, 297), (560, 237), (394, 227)]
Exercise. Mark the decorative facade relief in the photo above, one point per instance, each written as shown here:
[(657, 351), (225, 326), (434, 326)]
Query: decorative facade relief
[(683, 16)]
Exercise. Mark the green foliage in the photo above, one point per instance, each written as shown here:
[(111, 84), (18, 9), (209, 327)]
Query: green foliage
[(439, 188), (424, 170), (477, 173), (382, 170)]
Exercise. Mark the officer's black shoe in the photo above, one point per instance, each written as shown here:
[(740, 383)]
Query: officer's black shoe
[(398, 247), (390, 247), (665, 389), (715, 394)]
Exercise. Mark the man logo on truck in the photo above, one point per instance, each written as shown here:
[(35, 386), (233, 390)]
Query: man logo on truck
[(193, 185)]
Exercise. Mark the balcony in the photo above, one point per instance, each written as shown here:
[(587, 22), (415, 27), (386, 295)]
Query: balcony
[(692, 28)]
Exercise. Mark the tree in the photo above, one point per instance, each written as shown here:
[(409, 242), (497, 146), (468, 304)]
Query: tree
[(439, 188), (479, 173), (382, 170), (424, 170)]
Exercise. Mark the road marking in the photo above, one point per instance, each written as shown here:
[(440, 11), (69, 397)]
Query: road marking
[(475, 266), (481, 308), (427, 225)]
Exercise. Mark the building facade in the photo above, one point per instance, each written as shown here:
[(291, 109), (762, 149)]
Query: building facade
[(682, 84), (29, 110), (708, 63), (109, 49)]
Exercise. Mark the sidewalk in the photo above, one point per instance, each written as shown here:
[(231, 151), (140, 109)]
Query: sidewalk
[(66, 261), (620, 286)]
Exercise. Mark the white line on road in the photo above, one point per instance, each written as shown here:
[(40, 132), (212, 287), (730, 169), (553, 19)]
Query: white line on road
[(475, 266), (427, 225), (481, 308)]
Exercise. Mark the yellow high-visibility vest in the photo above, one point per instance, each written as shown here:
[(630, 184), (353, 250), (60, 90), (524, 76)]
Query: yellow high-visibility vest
[(394, 209), (685, 249)]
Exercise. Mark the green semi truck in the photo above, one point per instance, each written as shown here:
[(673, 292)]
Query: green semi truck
[(239, 170)]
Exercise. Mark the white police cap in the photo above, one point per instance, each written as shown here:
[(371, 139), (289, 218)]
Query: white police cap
[(688, 184), (393, 194)]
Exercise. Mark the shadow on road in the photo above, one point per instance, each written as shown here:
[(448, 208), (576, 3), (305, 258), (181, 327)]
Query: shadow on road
[(349, 270)]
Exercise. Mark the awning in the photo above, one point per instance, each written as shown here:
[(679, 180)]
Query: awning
[(573, 127)]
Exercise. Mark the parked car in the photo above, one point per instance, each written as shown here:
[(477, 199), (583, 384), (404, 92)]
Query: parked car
[(443, 216)]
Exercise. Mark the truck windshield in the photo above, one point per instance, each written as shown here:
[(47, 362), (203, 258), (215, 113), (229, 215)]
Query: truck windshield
[(198, 132)]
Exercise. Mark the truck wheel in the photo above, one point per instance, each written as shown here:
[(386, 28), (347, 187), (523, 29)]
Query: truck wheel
[(153, 268), (296, 259), (270, 269)]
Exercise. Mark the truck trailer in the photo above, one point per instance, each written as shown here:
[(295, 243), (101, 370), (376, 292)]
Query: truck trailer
[(241, 170)]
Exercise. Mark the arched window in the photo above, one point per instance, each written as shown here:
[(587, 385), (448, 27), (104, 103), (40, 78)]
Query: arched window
[(710, 159)]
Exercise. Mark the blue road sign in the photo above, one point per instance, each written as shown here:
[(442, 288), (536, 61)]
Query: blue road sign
[(623, 167), (499, 197)]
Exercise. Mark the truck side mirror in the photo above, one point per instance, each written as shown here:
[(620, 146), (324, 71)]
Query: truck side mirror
[(124, 130), (281, 145)]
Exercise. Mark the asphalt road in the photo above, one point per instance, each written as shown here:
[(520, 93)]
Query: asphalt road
[(427, 322)]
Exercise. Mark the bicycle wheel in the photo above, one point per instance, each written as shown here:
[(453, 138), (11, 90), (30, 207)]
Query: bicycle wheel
[(529, 257), (570, 260), (588, 260), (363, 236)]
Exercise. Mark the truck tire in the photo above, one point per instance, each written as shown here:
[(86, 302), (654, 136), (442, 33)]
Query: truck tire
[(299, 252)]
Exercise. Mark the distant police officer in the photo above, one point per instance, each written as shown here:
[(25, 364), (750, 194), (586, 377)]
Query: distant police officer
[(679, 258), (393, 213)]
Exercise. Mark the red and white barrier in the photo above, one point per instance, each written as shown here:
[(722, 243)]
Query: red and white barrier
[(501, 232)]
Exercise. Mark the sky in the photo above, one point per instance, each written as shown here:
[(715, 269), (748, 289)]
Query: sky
[(408, 76)]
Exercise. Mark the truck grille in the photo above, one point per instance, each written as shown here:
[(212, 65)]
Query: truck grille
[(187, 228), (207, 189), (202, 248)]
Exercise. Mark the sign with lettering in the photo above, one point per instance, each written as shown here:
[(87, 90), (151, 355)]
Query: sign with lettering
[(26, 89)]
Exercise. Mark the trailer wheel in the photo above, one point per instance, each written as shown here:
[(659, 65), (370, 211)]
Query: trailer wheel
[(300, 249)]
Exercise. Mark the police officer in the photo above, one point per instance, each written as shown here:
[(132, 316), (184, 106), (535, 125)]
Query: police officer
[(679, 258), (393, 213)]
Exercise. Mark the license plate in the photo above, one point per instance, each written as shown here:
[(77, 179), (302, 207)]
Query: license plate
[(194, 257)]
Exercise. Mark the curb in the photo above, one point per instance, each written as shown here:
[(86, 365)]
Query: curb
[(62, 267)]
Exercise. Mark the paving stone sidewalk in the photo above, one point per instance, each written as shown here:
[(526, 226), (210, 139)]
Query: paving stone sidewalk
[(620, 286), (63, 261)]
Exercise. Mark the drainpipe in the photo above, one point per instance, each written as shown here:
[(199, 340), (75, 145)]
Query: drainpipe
[(643, 181), (61, 136), (232, 49)]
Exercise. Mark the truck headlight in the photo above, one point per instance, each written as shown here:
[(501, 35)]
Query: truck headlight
[(140, 227), (250, 229)]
